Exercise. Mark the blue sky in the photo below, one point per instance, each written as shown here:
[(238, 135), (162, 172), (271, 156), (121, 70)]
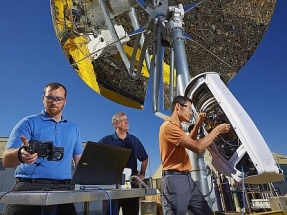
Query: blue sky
[(30, 57)]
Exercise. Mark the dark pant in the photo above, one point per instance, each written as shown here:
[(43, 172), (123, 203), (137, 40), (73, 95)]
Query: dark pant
[(180, 193), (63, 209), (129, 206)]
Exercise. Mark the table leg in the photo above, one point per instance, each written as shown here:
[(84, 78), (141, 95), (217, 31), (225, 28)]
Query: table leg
[(86, 208)]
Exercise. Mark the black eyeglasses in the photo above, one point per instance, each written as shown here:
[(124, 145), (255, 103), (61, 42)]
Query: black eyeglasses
[(187, 107), (54, 98)]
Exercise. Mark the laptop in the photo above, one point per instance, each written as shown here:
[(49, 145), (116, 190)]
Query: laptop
[(101, 164)]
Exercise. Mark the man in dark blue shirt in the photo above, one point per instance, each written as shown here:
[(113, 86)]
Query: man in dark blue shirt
[(122, 138)]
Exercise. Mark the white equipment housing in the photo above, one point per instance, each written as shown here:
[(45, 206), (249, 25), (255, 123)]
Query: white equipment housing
[(242, 153)]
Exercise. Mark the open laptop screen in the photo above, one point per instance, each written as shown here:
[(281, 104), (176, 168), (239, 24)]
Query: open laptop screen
[(101, 164)]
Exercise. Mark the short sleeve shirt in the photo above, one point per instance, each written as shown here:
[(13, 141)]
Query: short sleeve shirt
[(173, 156), (43, 128)]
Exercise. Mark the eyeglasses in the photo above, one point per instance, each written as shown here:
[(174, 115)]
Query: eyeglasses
[(187, 107), (54, 98), (123, 120)]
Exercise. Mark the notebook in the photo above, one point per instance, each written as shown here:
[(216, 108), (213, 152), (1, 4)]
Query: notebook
[(101, 164)]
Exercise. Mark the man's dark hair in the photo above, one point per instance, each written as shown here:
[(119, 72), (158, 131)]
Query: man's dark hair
[(179, 99), (54, 86)]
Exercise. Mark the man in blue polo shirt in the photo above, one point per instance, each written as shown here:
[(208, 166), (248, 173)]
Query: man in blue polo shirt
[(34, 172), (122, 138)]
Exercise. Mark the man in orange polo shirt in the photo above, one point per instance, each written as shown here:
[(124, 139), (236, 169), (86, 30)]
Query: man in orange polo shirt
[(179, 191)]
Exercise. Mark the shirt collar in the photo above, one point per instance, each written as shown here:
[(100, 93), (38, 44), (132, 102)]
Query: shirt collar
[(172, 121), (45, 117), (116, 137)]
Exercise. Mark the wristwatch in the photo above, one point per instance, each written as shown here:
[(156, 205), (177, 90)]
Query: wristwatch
[(19, 153)]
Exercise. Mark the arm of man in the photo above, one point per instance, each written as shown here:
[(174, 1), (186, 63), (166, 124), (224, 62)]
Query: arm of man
[(10, 157), (198, 146), (194, 131), (78, 150), (141, 173), (76, 159), (143, 167)]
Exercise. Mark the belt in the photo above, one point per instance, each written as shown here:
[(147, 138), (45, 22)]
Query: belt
[(174, 172), (43, 181)]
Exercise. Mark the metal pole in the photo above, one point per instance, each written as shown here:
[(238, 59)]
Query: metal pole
[(183, 78)]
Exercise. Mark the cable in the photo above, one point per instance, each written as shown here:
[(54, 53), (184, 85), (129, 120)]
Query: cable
[(110, 201), (99, 188), (6, 193), (141, 181), (243, 192), (37, 164), (211, 188)]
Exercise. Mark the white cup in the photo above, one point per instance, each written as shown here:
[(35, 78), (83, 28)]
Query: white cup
[(127, 172)]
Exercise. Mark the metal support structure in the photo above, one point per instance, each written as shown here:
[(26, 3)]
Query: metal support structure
[(175, 29), (102, 27), (155, 66), (136, 25), (166, 23)]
